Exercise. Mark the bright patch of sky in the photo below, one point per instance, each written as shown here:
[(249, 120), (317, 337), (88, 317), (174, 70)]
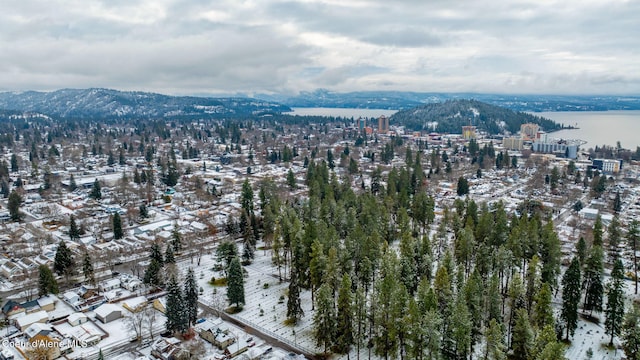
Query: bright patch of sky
[(287, 46)]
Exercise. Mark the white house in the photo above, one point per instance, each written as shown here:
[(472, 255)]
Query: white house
[(72, 298), (24, 321), (109, 285)]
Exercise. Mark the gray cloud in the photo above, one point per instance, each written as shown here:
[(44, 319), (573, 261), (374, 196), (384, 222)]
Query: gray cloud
[(205, 46)]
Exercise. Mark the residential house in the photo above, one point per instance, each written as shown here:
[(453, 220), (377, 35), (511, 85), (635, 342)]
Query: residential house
[(24, 321), (12, 307), (135, 304), (47, 303), (167, 348), (108, 285), (10, 269), (37, 329), (235, 349), (216, 335), (72, 298)]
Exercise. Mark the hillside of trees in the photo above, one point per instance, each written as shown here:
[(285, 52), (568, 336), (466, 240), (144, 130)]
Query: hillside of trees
[(114, 104), (451, 115)]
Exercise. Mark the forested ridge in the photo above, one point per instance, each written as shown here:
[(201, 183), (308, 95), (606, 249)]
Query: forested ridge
[(451, 115)]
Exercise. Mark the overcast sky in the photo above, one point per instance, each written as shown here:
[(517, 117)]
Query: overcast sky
[(227, 46)]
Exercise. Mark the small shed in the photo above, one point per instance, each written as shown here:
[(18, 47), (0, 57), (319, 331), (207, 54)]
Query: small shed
[(77, 318), (108, 312)]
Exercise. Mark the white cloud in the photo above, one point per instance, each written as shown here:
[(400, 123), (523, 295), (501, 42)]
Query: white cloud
[(202, 46)]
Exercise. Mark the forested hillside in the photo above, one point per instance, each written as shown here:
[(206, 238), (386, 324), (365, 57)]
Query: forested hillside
[(450, 116)]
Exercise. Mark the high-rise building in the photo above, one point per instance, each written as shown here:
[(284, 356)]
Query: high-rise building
[(529, 131), (468, 132), (361, 123), (512, 143), (383, 124)]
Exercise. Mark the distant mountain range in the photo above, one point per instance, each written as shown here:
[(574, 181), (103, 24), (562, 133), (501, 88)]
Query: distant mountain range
[(398, 100), (106, 103), (114, 104), (451, 115)]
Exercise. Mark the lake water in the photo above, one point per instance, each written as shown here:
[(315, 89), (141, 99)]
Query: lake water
[(595, 127), (599, 127), (343, 112)]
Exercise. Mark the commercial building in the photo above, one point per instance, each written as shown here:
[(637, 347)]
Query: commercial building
[(512, 143), (469, 132), (559, 147), (529, 131), (608, 166), (383, 124)]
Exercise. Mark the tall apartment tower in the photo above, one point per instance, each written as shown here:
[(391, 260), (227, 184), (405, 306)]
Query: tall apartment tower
[(383, 124)]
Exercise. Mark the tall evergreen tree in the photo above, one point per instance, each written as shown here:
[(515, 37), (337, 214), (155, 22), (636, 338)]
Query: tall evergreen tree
[(571, 296), (598, 232), (614, 239), (547, 347), (143, 211), (631, 333), (153, 273), (246, 198), (324, 319), (191, 297), (461, 328), (344, 329), (116, 222), (617, 203), (495, 348), (74, 232), (87, 269), (13, 205), (633, 237), (72, 183), (385, 338), (542, 310), (294, 307), (176, 239), (235, 283), (169, 256), (63, 263), (594, 288), (96, 191), (523, 336), (14, 163), (47, 283), (177, 317), (155, 253), (581, 250), (615, 301), (550, 254)]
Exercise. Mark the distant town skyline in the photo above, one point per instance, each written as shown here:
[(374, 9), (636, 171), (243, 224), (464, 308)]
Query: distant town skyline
[(184, 47)]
